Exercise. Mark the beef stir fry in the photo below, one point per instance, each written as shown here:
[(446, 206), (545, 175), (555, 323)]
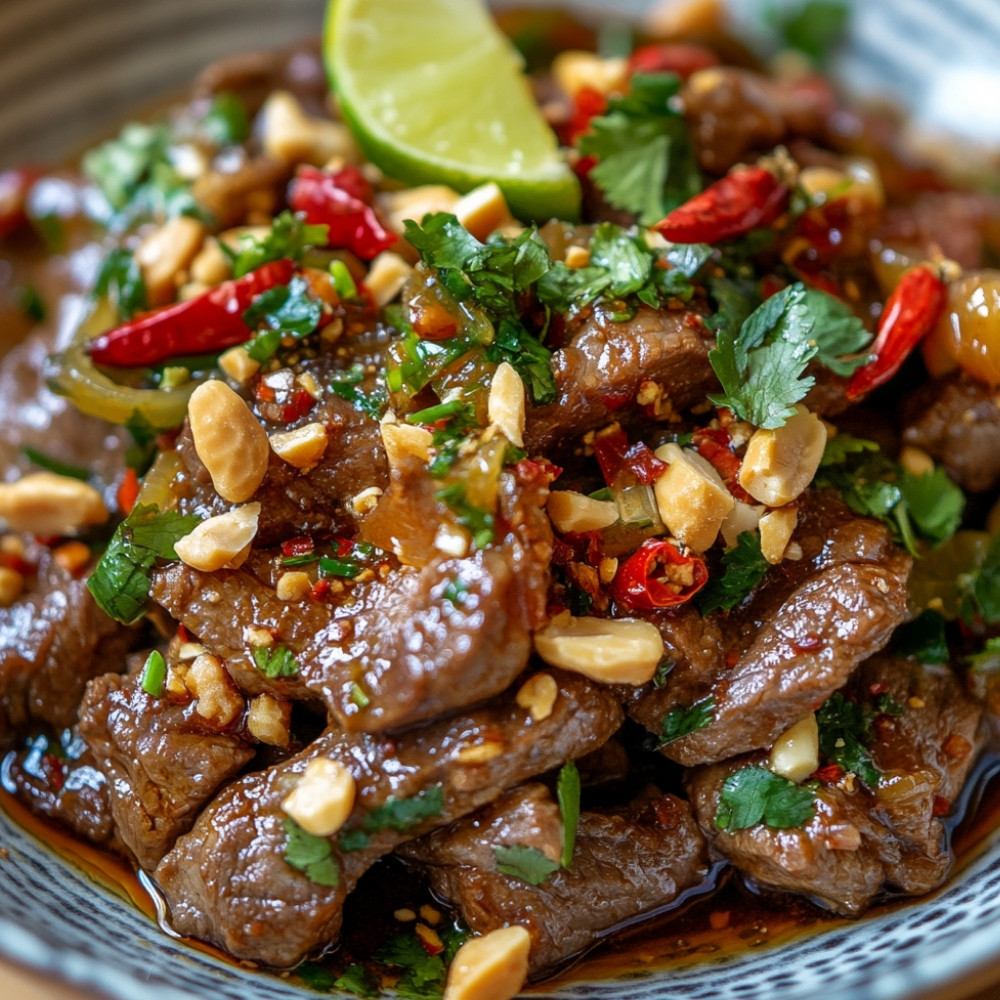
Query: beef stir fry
[(578, 564)]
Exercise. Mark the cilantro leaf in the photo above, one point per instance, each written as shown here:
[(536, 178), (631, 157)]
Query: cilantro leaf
[(845, 734), (226, 122), (423, 974), (754, 794), (841, 335), (934, 503), (283, 311), (290, 236), (568, 793), (923, 638), (528, 864), (685, 719), (744, 566), (360, 981), (980, 599), (120, 280), (346, 384), (646, 163), (313, 856), (275, 661), (401, 815), (316, 977), (120, 582), (842, 445), (478, 522)]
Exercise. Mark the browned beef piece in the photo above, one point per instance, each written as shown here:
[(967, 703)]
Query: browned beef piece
[(956, 420), (53, 639), (295, 502), (413, 652), (227, 881), (163, 761), (600, 370), (861, 841), (626, 862), (68, 788), (794, 643)]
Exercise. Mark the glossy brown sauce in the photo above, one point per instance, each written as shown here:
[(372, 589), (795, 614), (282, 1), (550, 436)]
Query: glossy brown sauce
[(714, 923)]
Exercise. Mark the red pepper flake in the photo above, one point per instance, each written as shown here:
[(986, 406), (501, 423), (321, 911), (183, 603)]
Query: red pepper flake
[(616, 400), (264, 393), (341, 201), (658, 575), (732, 658), (298, 405), (942, 806), (183, 634), (829, 774), (609, 450), (301, 546), (320, 590), (536, 472), (16, 562), (879, 687), (128, 491), (643, 464)]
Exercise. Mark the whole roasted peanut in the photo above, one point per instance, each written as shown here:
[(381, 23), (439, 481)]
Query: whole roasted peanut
[(691, 497), (229, 440), (220, 541), (779, 464), (46, 504), (491, 967), (795, 754), (323, 798)]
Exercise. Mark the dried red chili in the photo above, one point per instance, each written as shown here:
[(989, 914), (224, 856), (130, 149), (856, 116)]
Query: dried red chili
[(207, 324), (658, 575), (745, 199), (910, 314), (341, 201), (681, 58), (615, 456)]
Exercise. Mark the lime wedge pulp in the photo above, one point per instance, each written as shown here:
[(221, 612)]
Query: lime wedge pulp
[(434, 94)]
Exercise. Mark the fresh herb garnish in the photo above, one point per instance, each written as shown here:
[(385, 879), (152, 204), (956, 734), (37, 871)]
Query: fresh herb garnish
[(120, 583), (51, 464), (979, 603), (154, 674), (120, 280), (923, 638), (743, 567), (345, 385), (343, 281), (478, 522), (275, 661), (987, 660), (813, 28), (754, 794), (313, 856), (283, 311), (401, 815), (30, 302), (453, 422), (226, 122), (289, 237), (663, 669), (528, 864), (761, 366), (568, 794), (344, 569), (358, 980), (423, 975), (455, 592), (845, 733), (359, 696), (646, 163), (686, 719)]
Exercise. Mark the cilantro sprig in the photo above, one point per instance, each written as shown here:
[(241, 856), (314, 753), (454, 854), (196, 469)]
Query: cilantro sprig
[(979, 603), (846, 736), (401, 815), (289, 236), (753, 795), (423, 975), (528, 864), (685, 719), (120, 583), (743, 568), (313, 856), (283, 311), (761, 366)]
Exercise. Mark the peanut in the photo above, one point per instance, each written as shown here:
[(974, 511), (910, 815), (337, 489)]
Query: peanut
[(165, 254), (483, 211), (610, 651), (219, 701), (491, 967), (743, 517), (229, 440), (46, 504), (538, 696), (575, 69), (795, 754), (323, 798), (780, 463), (776, 532), (386, 276), (576, 512), (223, 540), (295, 137), (505, 405), (238, 365), (269, 720), (303, 447), (11, 586), (691, 497)]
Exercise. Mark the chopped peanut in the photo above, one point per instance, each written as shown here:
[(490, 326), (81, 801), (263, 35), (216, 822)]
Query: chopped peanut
[(219, 700), (576, 512), (479, 753), (220, 541), (293, 586), (776, 532), (405, 915), (323, 798), (166, 253), (491, 967), (403, 440), (229, 440), (743, 517), (505, 405), (538, 695), (608, 650), (269, 720), (46, 504), (577, 257), (415, 203), (779, 464), (11, 586), (386, 276), (691, 497), (452, 540), (366, 501), (916, 461), (575, 69), (303, 447), (190, 650), (483, 211), (291, 135), (238, 365), (795, 754)]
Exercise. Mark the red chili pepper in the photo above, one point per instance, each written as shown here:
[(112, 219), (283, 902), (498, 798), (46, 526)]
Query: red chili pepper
[(342, 202), (829, 774), (299, 403), (56, 771), (128, 491), (615, 456), (204, 325), (302, 545), (745, 199), (588, 103), (15, 184), (677, 57), (658, 575), (910, 314)]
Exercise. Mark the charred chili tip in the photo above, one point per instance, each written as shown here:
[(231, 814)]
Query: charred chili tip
[(909, 315)]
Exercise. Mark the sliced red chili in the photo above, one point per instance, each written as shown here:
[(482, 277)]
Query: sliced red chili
[(658, 575), (588, 103), (302, 545), (743, 200), (206, 324), (128, 491), (910, 314), (341, 201), (681, 58)]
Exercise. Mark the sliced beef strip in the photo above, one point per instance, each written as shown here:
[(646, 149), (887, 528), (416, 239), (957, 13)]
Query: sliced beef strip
[(862, 841), (602, 367), (413, 652), (69, 789), (227, 881), (956, 420), (163, 761), (790, 646), (296, 502), (626, 862), (53, 639)]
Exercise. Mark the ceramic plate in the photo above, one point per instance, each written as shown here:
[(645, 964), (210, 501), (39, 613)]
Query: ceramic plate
[(72, 68)]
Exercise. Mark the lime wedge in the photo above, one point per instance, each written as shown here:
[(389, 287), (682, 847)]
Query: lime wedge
[(434, 94)]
